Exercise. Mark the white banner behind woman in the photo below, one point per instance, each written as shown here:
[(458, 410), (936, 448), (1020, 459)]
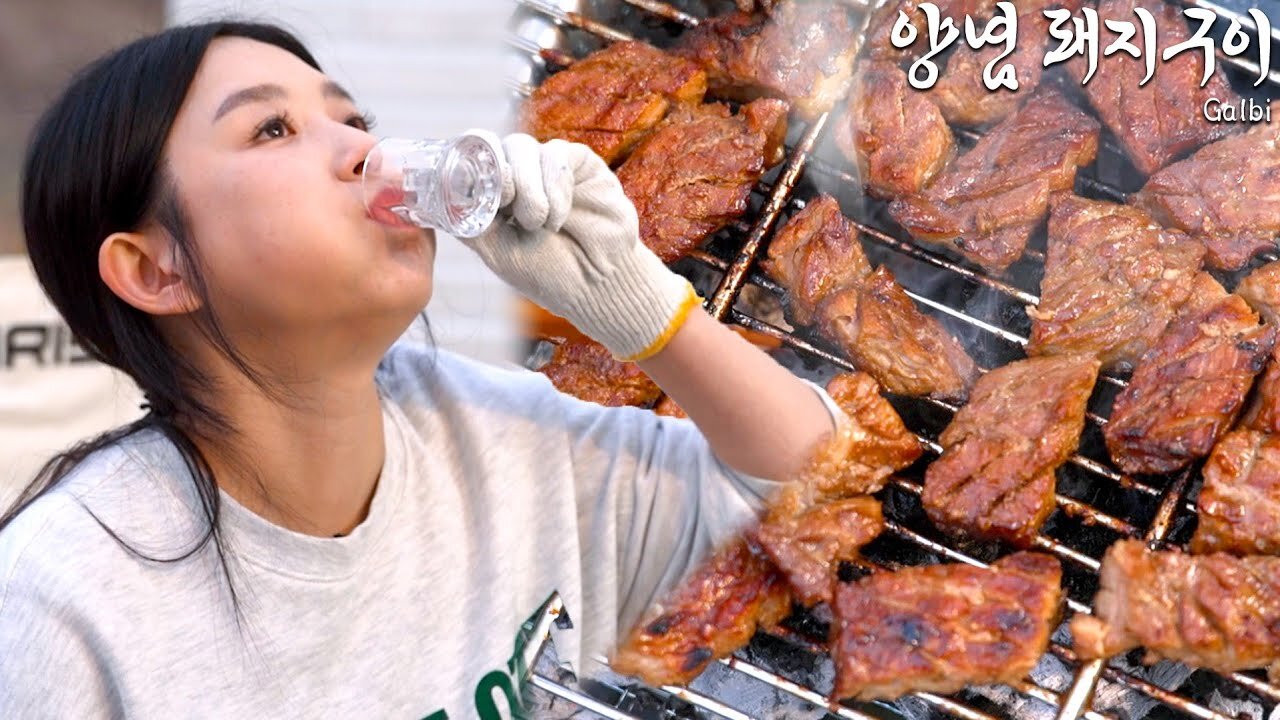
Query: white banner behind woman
[(51, 393)]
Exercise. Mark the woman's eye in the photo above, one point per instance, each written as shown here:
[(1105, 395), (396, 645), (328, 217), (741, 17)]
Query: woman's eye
[(273, 129), (362, 121)]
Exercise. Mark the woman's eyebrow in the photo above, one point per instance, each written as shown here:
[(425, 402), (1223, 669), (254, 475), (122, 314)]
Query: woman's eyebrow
[(258, 93), (332, 89), (270, 91)]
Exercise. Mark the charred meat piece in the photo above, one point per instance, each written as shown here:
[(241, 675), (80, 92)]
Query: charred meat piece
[(942, 627), (713, 612), (1214, 611), (808, 547), (1225, 196), (1113, 279), (814, 254), (667, 406), (873, 445), (995, 478), (1240, 502), (886, 335), (587, 371), (1188, 389), (748, 6), (1261, 289), (960, 92), (612, 98), (1263, 413), (802, 53), (894, 134), (990, 200), (1164, 119), (694, 173)]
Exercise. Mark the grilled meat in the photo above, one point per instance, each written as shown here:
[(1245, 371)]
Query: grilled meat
[(808, 547), (990, 200), (1263, 413), (815, 253), (995, 478), (942, 627), (1188, 389), (1164, 119), (1215, 611), (694, 173), (587, 371), (873, 445), (802, 53), (1113, 279), (816, 256), (1240, 502), (886, 335), (667, 406), (1225, 196), (894, 134), (747, 6), (719, 606), (713, 612), (612, 98), (960, 92), (1261, 289)]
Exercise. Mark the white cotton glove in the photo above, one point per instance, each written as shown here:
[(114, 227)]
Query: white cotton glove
[(568, 238)]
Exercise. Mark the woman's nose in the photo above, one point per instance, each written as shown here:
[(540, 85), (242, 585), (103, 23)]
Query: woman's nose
[(354, 147)]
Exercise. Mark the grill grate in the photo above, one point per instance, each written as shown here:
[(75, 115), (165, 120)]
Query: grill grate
[(1158, 513)]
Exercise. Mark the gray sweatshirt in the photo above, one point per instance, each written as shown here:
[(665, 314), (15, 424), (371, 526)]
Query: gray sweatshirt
[(497, 491)]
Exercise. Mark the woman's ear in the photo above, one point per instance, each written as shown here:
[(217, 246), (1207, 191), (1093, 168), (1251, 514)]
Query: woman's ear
[(141, 269)]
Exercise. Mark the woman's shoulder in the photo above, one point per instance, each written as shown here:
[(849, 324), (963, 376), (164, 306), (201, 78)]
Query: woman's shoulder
[(68, 531)]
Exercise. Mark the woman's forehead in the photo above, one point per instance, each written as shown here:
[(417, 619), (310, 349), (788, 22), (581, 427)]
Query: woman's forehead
[(234, 64)]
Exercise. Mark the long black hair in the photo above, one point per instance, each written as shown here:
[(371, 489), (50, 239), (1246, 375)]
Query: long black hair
[(95, 165)]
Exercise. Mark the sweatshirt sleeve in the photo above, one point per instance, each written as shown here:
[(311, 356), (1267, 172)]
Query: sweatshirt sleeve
[(653, 500), (48, 667)]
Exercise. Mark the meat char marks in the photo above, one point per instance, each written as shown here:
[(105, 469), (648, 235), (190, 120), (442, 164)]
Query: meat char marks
[(987, 203), (942, 627), (817, 257), (612, 98), (1190, 386), (1214, 611), (995, 478), (693, 174)]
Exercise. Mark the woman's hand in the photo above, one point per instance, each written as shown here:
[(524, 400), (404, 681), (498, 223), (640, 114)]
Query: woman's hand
[(568, 238)]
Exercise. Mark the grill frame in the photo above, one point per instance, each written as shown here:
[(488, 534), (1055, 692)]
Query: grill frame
[(779, 196)]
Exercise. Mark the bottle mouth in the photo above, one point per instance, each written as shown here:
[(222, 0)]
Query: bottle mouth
[(382, 186), (451, 185)]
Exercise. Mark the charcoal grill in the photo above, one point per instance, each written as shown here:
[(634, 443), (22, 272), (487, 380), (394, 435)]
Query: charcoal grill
[(1096, 504)]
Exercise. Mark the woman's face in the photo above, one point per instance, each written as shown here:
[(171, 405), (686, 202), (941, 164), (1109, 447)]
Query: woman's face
[(265, 155)]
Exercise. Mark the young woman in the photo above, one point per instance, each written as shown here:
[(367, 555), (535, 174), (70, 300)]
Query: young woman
[(314, 520)]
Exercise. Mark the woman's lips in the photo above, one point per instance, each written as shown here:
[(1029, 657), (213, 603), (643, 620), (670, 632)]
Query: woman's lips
[(381, 208)]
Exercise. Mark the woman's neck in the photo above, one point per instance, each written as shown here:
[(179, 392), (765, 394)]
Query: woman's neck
[(309, 461)]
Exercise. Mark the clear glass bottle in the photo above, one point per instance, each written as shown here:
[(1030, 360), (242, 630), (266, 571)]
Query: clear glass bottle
[(452, 185)]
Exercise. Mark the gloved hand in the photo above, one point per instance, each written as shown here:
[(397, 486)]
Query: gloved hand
[(568, 238)]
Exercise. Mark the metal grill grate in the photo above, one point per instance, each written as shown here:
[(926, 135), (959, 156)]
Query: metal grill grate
[(988, 314)]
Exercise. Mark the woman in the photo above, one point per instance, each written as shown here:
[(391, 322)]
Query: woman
[(312, 519)]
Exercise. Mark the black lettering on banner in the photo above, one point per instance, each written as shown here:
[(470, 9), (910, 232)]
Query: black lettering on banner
[(78, 354), (25, 340), (40, 344)]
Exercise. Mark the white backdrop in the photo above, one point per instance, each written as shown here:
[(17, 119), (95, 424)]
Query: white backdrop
[(51, 394)]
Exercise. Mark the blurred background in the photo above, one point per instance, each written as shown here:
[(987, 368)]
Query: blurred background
[(424, 69)]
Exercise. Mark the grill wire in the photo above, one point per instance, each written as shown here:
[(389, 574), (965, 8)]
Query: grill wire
[(986, 313)]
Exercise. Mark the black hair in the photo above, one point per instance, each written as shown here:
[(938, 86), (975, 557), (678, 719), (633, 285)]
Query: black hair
[(94, 166)]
